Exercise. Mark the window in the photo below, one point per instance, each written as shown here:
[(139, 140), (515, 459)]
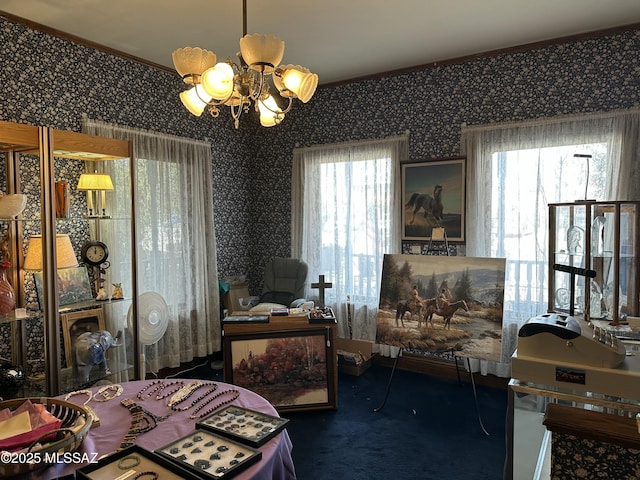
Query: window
[(515, 170), (346, 221), (524, 182)]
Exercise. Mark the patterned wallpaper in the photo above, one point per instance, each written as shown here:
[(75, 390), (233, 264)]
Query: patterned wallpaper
[(50, 81)]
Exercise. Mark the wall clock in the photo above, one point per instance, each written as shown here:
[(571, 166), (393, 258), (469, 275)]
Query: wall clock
[(94, 253)]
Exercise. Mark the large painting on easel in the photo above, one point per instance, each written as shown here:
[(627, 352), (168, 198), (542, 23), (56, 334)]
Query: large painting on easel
[(440, 304)]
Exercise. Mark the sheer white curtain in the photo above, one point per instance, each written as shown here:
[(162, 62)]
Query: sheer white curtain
[(544, 168), (176, 247), (345, 217)]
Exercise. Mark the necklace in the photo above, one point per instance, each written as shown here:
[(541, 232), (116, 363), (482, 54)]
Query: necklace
[(142, 421), (233, 395), (150, 392), (80, 392), (183, 394), (92, 413), (180, 383), (195, 400), (102, 395)]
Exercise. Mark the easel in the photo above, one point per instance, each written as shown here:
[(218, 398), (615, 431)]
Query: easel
[(438, 234), (473, 386)]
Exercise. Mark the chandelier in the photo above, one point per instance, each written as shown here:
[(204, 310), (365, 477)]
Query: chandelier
[(238, 86)]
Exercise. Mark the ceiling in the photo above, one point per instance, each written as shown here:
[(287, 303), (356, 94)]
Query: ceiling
[(337, 39)]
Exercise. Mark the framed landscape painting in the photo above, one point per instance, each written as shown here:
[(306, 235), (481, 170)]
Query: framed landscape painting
[(433, 196), (292, 368), (442, 306)]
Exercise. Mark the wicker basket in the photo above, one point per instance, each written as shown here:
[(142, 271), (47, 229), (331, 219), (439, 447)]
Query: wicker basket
[(76, 423)]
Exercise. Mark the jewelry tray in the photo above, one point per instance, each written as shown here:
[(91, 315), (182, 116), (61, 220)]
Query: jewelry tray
[(107, 467), (200, 448), (247, 426)]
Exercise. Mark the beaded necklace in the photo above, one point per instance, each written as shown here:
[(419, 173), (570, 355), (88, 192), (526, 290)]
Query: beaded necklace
[(142, 421), (185, 392), (232, 392), (180, 383), (141, 395), (175, 406)]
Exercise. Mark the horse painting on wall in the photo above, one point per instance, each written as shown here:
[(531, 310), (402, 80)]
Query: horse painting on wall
[(440, 305), (433, 195)]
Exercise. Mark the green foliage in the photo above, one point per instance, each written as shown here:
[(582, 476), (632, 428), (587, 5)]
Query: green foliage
[(462, 290)]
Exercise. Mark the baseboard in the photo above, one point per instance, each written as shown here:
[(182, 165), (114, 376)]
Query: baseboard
[(440, 368)]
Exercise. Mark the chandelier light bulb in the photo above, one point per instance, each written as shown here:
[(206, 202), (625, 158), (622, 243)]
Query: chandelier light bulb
[(217, 82), (270, 113), (195, 99)]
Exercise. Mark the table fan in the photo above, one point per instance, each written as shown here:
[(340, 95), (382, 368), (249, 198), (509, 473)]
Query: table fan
[(153, 320)]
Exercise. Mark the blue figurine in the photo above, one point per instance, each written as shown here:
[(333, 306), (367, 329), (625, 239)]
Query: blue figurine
[(90, 349)]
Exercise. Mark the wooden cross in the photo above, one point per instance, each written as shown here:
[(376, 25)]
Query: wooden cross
[(322, 286)]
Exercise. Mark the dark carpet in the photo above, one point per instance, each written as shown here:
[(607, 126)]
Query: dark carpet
[(428, 429)]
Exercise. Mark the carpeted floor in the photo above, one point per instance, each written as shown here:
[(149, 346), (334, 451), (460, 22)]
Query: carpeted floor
[(428, 429)]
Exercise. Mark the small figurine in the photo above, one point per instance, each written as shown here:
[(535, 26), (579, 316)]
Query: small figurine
[(102, 294), (89, 349), (117, 292)]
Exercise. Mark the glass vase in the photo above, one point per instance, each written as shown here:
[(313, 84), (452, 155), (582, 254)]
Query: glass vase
[(7, 295)]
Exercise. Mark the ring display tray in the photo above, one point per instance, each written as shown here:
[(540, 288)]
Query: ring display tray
[(247, 426), (132, 461), (209, 455)]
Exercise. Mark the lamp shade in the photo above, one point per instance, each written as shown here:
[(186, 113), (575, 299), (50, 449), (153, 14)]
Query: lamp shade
[(262, 52), (95, 181), (65, 255), (192, 61), (217, 82), (195, 99), (296, 79)]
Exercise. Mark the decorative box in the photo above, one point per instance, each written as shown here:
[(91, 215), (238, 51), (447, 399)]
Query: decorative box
[(247, 426), (210, 455), (130, 462)]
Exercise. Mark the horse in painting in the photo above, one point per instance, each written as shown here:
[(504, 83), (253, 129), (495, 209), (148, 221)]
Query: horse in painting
[(430, 204), (411, 306), (447, 311)]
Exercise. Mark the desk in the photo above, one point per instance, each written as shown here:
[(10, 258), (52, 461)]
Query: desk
[(276, 462)]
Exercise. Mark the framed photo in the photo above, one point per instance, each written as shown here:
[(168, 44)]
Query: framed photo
[(433, 196), (293, 369), (75, 323), (73, 286)]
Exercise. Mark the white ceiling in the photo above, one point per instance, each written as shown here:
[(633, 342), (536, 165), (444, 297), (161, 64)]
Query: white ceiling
[(337, 39)]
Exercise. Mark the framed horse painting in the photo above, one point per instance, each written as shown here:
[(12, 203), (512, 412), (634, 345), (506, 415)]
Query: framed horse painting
[(433, 196)]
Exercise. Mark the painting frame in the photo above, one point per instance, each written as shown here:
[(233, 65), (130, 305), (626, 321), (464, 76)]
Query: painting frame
[(73, 286), (289, 384), (422, 211), (443, 306), (92, 319)]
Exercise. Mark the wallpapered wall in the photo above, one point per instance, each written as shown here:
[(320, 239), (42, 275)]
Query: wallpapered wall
[(50, 81)]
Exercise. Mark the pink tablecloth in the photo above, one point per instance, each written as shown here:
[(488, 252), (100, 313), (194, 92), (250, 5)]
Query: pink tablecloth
[(276, 462)]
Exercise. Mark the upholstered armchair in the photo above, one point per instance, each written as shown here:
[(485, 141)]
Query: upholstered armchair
[(283, 285)]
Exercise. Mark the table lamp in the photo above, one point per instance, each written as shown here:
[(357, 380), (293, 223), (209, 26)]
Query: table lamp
[(65, 255), (95, 182)]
